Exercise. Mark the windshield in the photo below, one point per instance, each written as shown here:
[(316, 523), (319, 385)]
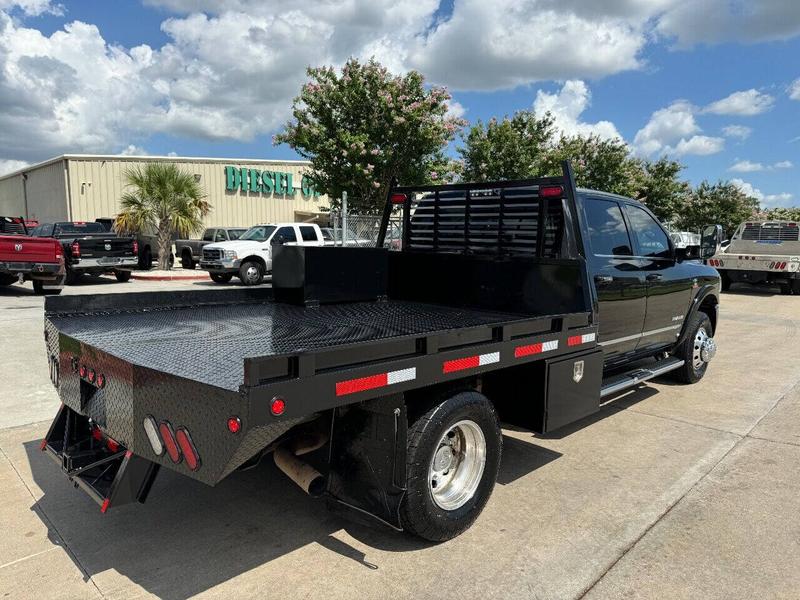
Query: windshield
[(235, 234), (79, 228), (259, 233)]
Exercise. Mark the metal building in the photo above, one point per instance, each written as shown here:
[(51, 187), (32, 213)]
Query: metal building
[(242, 192)]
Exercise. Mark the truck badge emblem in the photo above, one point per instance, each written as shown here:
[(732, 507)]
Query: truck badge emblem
[(577, 371), (108, 246), (18, 247)]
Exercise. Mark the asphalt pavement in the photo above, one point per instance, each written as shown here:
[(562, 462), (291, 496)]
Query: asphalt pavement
[(670, 491)]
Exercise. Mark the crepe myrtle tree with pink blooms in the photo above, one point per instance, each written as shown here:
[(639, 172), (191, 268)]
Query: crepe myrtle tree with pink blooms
[(363, 126)]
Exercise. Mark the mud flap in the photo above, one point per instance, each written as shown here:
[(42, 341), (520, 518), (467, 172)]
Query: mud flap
[(367, 477), (108, 473)]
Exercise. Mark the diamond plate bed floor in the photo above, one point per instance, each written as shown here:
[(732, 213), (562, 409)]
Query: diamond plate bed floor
[(209, 343)]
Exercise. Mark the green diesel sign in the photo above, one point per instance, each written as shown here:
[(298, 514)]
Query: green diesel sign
[(265, 182)]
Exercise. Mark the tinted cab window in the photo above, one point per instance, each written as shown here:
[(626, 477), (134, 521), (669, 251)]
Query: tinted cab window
[(308, 234), (284, 235), (608, 235), (208, 235), (651, 239)]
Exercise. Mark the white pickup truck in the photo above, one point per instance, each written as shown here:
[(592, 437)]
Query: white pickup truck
[(250, 257), (762, 252)]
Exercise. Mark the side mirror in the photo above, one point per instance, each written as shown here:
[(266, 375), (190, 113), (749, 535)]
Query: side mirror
[(710, 241), (278, 240)]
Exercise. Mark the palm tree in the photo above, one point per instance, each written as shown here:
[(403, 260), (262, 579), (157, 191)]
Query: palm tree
[(163, 199)]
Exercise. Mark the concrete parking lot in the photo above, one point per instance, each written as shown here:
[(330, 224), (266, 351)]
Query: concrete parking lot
[(669, 492)]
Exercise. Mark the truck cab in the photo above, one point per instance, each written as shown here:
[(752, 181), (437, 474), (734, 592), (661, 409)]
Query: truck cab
[(250, 256)]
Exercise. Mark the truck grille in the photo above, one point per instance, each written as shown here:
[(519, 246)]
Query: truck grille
[(212, 254)]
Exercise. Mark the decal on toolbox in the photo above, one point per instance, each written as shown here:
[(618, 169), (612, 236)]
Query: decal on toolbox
[(577, 340), (470, 362), (528, 350), (351, 386)]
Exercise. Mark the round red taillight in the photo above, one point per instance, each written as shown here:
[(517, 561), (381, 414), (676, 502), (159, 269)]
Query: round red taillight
[(277, 406), (92, 376), (101, 380), (234, 424), (82, 371)]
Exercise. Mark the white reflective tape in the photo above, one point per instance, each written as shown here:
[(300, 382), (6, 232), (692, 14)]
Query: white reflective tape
[(488, 359), (587, 337), (401, 375), (551, 345)]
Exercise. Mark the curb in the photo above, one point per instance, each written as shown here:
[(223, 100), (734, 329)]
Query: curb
[(204, 277)]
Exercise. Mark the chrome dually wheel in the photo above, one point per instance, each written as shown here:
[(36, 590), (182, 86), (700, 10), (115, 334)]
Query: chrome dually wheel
[(457, 465)]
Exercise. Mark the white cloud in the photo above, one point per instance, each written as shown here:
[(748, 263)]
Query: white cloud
[(746, 103), (567, 105), (32, 8), (746, 166), (133, 150), (794, 90), (690, 22), (784, 199), (455, 109), (737, 131), (674, 130), (8, 166), (747, 189)]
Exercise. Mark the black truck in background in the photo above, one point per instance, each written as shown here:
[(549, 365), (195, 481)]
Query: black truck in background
[(191, 251), (90, 249), (378, 379)]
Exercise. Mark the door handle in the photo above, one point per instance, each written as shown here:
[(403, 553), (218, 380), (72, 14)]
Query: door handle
[(654, 277), (603, 279)]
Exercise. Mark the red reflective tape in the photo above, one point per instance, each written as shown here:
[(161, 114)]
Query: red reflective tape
[(128, 454), (575, 340), (459, 364), (521, 351), (43, 445), (352, 386), (105, 506)]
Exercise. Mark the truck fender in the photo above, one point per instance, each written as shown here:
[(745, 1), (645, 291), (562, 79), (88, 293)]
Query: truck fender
[(706, 300)]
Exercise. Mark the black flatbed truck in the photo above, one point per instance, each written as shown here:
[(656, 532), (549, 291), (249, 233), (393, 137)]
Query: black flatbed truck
[(391, 370)]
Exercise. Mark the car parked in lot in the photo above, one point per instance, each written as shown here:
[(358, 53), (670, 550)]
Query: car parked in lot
[(333, 237), (191, 251), (146, 242), (250, 257), (25, 258), (90, 249), (532, 303)]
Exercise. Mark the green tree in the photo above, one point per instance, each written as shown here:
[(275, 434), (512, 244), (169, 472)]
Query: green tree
[(599, 164), (662, 190), (719, 203), (365, 126), (782, 214), (164, 199), (512, 148)]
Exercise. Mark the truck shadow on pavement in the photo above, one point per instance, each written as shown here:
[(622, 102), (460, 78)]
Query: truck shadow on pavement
[(189, 537)]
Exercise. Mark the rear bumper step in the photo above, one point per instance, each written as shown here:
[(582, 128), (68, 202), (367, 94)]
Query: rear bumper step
[(632, 378), (111, 477)]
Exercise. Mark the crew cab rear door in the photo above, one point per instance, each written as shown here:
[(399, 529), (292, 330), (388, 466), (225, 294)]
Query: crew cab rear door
[(617, 276), (669, 283)]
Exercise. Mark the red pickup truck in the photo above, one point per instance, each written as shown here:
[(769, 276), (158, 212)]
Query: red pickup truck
[(23, 258)]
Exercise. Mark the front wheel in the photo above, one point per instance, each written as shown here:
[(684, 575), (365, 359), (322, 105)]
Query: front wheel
[(251, 273), (187, 262), (221, 277), (145, 259), (452, 463), (696, 350), (122, 276)]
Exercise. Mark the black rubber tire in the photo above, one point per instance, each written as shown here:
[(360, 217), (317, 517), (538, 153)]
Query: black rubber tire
[(419, 514), (7, 279), (726, 282), (687, 373), (221, 277), (39, 290), (243, 273), (786, 289), (145, 259), (73, 277), (187, 262), (122, 276), (796, 287)]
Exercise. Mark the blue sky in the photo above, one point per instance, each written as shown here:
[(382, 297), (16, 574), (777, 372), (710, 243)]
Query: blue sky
[(709, 82)]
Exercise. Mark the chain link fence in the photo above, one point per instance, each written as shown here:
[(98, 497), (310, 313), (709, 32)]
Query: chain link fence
[(362, 230)]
